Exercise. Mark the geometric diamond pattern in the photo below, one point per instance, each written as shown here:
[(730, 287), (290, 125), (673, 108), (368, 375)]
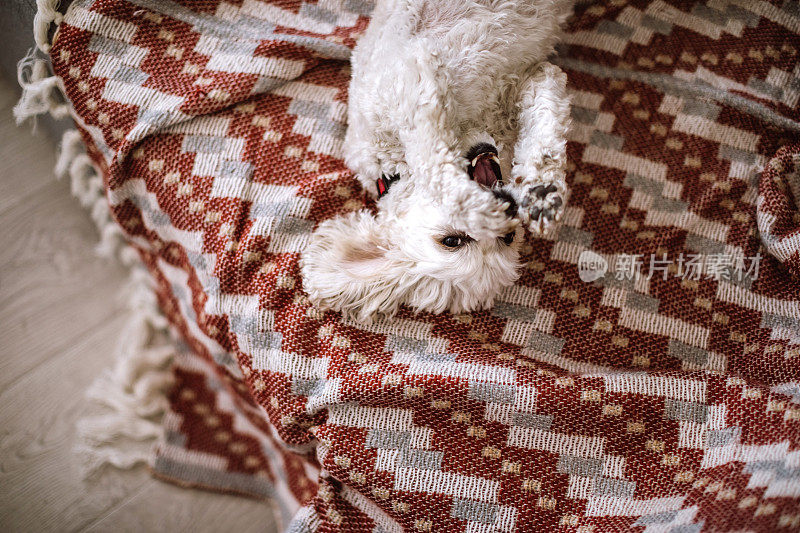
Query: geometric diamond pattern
[(650, 403)]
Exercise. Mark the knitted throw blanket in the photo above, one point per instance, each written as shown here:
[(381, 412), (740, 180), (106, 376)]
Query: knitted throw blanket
[(643, 374)]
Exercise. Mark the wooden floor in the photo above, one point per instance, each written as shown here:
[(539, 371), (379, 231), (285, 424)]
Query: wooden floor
[(60, 316)]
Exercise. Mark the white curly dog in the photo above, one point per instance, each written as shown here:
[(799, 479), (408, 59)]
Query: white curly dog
[(446, 97)]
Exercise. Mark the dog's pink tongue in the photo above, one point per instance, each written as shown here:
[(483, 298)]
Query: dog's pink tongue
[(483, 172)]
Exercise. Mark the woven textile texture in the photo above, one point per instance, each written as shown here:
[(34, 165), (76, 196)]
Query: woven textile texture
[(662, 395)]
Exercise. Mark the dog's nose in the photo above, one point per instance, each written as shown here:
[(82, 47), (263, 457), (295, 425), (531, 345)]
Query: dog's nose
[(504, 196)]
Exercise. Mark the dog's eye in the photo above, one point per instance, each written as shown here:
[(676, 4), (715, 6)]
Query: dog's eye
[(455, 241), (508, 238)]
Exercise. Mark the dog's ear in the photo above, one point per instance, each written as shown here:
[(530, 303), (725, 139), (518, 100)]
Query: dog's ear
[(432, 15), (351, 266)]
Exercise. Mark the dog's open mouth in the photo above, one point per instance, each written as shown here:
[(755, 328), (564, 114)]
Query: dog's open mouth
[(484, 165)]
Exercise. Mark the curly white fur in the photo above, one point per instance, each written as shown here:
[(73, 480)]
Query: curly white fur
[(430, 80)]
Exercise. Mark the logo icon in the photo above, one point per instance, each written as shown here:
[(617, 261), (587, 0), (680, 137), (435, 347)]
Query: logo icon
[(591, 266)]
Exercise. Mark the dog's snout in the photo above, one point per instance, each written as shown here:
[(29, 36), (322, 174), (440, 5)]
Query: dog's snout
[(505, 196)]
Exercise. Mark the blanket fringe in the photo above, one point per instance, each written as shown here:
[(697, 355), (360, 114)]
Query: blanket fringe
[(41, 91), (47, 14), (86, 185), (132, 392)]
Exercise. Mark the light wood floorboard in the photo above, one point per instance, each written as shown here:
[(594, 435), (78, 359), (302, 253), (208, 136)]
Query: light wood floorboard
[(60, 317)]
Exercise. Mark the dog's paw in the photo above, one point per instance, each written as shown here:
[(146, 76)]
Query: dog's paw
[(542, 192), (542, 206)]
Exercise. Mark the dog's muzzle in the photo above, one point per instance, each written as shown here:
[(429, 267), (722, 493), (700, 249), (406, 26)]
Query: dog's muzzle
[(484, 165), (484, 168)]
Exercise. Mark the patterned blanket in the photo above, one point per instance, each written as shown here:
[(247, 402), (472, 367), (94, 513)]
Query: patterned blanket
[(643, 374)]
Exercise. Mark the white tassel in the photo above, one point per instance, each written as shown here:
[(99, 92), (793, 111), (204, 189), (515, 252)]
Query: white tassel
[(98, 430), (41, 92), (71, 147), (93, 458), (46, 15), (87, 186), (141, 399), (134, 389)]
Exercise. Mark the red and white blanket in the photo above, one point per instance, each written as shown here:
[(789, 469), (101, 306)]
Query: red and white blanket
[(664, 395)]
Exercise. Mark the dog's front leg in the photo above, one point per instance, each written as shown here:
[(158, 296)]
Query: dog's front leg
[(540, 154)]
